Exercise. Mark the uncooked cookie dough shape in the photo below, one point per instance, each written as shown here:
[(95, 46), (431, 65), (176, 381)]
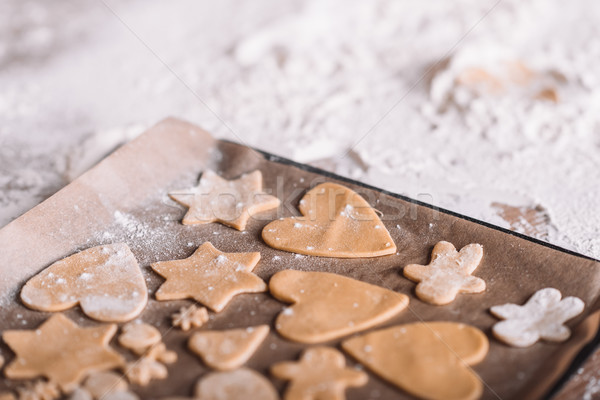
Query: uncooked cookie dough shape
[(328, 306), (106, 281), (542, 317), (336, 222), (229, 349), (61, 351), (321, 373), (209, 276), (448, 273), (231, 203), (241, 384), (429, 360)]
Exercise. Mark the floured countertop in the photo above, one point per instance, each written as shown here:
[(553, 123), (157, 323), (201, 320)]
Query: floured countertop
[(491, 109)]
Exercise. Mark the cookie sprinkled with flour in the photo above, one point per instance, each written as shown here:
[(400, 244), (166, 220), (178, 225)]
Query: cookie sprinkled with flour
[(321, 373), (231, 203), (448, 273), (209, 276), (336, 222), (542, 317), (61, 351), (228, 350), (106, 281), (334, 304), (190, 317)]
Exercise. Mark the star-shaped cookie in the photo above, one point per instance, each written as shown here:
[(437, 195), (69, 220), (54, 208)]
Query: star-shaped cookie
[(61, 351), (231, 203), (209, 276)]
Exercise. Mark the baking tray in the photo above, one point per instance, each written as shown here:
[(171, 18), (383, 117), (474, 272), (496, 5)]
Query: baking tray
[(124, 198)]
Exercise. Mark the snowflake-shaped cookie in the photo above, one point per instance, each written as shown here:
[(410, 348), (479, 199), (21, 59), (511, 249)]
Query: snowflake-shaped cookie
[(190, 317), (448, 273), (542, 317)]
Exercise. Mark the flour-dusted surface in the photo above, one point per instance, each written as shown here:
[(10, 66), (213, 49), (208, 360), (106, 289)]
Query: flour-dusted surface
[(478, 107)]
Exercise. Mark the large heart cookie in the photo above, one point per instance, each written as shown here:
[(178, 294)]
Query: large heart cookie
[(336, 222), (328, 306), (429, 360), (106, 281)]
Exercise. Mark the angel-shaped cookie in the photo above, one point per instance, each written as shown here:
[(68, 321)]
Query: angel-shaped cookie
[(448, 273), (542, 317)]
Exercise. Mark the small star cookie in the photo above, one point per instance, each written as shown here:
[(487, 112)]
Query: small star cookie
[(230, 349), (209, 276), (231, 203), (61, 351), (542, 317), (321, 373), (448, 273)]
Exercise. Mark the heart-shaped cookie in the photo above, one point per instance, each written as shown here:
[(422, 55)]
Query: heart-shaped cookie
[(328, 306), (336, 222), (429, 360), (106, 281)]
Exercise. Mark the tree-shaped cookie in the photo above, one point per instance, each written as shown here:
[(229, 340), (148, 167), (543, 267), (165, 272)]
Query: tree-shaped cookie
[(230, 202), (321, 374), (209, 276), (106, 281), (542, 317), (328, 306), (448, 273), (336, 222), (61, 351)]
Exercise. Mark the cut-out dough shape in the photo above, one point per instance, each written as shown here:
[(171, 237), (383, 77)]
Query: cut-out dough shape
[(231, 203), (138, 336), (336, 222), (61, 351), (328, 306), (429, 360), (209, 276), (448, 273), (321, 374), (230, 349), (106, 281), (190, 317), (542, 317), (241, 384)]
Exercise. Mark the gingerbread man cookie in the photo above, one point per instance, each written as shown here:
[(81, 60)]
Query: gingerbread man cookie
[(542, 317), (61, 351), (336, 222), (448, 273), (209, 276), (321, 373), (335, 305), (230, 202), (106, 281)]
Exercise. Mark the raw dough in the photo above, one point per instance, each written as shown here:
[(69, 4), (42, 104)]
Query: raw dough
[(241, 384), (106, 281), (230, 349), (320, 374), (542, 317), (230, 202), (448, 273), (209, 276), (336, 222), (61, 351), (138, 336), (190, 317), (328, 306), (429, 360)]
